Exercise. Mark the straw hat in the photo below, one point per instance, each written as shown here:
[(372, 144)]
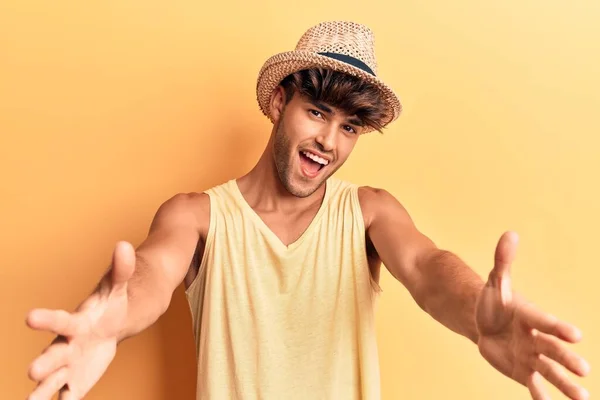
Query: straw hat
[(339, 45)]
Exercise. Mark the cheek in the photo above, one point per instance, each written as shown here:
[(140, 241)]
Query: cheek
[(302, 126), (345, 147)]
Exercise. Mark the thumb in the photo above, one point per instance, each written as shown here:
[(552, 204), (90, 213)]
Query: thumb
[(66, 394), (123, 265), (505, 254), (500, 275)]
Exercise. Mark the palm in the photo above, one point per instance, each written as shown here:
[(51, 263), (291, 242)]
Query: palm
[(87, 338), (94, 345), (520, 340)]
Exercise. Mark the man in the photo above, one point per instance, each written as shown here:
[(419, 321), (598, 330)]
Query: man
[(281, 265)]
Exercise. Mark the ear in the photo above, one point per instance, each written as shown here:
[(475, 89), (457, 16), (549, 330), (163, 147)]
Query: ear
[(277, 103)]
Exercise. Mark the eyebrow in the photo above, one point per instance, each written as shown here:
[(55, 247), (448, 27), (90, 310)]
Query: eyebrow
[(323, 107), (355, 121)]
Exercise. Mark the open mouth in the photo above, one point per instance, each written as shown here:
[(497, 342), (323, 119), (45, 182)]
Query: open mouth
[(311, 164)]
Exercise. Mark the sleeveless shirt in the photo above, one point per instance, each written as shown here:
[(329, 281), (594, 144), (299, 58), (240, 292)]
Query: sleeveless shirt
[(285, 322)]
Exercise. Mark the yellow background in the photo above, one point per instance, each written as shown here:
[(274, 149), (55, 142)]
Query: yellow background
[(110, 107)]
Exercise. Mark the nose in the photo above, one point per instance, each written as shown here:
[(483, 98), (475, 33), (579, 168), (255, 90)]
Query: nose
[(326, 139)]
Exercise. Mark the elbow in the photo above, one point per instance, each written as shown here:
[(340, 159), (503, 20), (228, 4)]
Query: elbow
[(425, 283), (164, 303), (422, 293), (425, 298)]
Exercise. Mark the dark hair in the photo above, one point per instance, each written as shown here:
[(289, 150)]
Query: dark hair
[(348, 93)]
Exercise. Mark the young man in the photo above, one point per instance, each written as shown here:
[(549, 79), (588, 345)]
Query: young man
[(281, 265)]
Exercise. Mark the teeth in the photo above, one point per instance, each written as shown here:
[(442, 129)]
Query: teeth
[(315, 158)]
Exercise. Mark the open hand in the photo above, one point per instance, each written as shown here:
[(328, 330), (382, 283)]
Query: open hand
[(87, 338), (520, 340)]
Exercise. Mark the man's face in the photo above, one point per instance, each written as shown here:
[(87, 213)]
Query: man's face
[(312, 141)]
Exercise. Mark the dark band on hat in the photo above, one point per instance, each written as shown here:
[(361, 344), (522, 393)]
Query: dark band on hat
[(355, 62)]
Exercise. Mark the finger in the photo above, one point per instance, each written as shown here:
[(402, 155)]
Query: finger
[(559, 378), (59, 322), (556, 350), (547, 323), (67, 394), (50, 386), (123, 265), (505, 253), (53, 358), (499, 277), (536, 387)]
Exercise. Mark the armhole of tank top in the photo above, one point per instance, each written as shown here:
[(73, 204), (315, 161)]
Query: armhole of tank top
[(207, 244), (376, 288)]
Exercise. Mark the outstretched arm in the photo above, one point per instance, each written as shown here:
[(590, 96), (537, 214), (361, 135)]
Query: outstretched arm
[(130, 297), (438, 280), (513, 335)]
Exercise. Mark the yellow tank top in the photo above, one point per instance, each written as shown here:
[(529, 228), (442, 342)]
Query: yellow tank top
[(285, 322)]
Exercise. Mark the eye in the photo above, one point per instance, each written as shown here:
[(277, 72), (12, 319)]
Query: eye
[(316, 113), (349, 129)]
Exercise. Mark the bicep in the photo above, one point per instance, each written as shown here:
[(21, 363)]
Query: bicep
[(398, 242), (169, 247)]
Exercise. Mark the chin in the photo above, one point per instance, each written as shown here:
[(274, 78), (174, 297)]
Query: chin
[(301, 179), (307, 191), (301, 187)]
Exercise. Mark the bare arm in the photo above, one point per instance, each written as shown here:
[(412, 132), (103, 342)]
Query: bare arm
[(514, 336), (439, 281), (163, 259), (131, 296)]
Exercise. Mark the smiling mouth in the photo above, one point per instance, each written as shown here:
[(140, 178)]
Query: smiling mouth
[(311, 164)]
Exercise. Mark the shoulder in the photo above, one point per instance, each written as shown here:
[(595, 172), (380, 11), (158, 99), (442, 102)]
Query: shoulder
[(186, 209), (377, 204)]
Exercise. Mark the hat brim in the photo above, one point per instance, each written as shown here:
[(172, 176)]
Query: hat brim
[(276, 68)]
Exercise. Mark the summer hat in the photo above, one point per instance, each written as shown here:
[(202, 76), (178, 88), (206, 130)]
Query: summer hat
[(343, 46)]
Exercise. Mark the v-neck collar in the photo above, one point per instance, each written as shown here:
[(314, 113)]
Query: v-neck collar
[(235, 189)]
